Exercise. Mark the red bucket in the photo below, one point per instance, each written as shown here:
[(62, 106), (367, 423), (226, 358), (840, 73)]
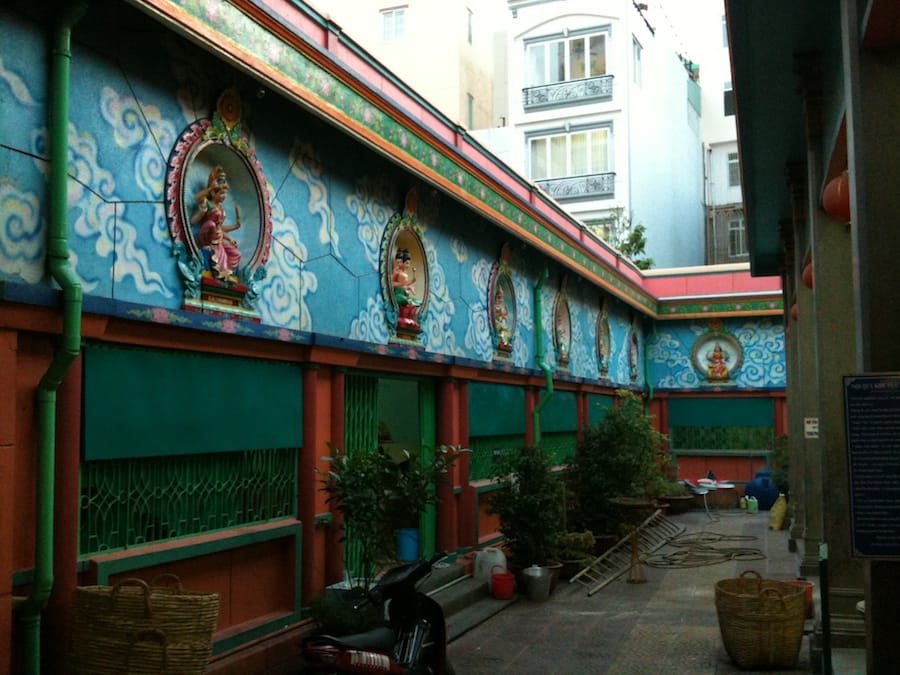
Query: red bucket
[(503, 583), (808, 588)]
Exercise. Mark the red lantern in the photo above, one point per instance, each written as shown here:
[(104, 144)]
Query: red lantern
[(836, 197), (808, 279), (795, 313)]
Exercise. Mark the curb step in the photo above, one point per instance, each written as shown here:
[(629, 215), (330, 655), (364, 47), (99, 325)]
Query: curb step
[(466, 603)]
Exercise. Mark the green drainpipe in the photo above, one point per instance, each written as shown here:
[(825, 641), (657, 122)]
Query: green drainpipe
[(69, 349), (539, 356)]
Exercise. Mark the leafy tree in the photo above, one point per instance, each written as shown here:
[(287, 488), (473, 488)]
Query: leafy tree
[(530, 506), (628, 237), (614, 458)]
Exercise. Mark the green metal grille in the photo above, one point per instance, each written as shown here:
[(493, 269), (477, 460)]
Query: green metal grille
[(360, 433), (486, 450), (560, 446), (133, 502), (720, 438)]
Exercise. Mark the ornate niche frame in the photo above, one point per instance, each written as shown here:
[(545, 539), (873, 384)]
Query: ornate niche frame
[(502, 306), (203, 147), (562, 325), (717, 356), (404, 273), (604, 339)]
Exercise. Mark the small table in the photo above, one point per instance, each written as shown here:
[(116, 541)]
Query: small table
[(635, 505)]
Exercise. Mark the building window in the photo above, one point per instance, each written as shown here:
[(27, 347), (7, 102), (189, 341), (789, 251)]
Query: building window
[(729, 100), (578, 153), (564, 59), (636, 51), (394, 23), (737, 242), (724, 32), (470, 111), (469, 25), (734, 170)]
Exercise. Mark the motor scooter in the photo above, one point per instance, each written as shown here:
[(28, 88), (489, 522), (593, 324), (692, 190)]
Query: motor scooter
[(413, 640)]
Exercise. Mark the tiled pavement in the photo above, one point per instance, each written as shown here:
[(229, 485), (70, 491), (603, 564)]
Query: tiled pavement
[(666, 625)]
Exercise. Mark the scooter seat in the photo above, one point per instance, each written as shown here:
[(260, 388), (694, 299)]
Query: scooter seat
[(378, 639)]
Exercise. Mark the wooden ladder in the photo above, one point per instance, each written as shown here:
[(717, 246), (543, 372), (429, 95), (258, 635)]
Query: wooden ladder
[(652, 534)]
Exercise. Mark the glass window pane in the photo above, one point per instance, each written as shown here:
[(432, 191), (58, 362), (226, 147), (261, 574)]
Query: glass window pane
[(600, 151), (576, 59), (558, 163), (537, 66), (557, 59), (538, 158), (598, 55), (580, 154)]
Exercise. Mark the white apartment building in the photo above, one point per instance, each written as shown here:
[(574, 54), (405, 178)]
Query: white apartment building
[(599, 102), (604, 116), (702, 35), (441, 48)]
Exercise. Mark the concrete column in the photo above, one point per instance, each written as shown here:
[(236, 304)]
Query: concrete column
[(872, 89), (836, 351)]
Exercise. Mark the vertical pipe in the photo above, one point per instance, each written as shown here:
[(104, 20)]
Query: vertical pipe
[(69, 349), (539, 355)]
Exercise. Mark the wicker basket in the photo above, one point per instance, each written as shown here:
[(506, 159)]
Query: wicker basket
[(133, 625), (761, 620)]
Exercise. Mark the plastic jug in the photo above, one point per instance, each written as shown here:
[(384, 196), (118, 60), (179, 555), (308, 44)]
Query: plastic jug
[(485, 559), (752, 505)]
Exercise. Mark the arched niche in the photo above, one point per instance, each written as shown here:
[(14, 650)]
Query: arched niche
[(209, 147)]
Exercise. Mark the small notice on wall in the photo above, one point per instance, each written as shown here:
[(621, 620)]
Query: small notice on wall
[(810, 427), (872, 416)]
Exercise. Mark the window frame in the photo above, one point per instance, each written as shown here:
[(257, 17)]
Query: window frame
[(734, 169), (391, 19), (737, 235), (566, 41), (547, 135)]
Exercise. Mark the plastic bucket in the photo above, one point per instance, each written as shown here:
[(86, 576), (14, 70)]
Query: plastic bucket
[(808, 588), (503, 583), (408, 544), (537, 582)]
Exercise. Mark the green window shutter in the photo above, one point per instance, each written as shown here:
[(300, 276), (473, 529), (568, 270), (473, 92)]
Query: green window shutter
[(496, 410), (145, 403)]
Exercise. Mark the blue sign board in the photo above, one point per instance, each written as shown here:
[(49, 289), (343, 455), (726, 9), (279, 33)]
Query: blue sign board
[(872, 417)]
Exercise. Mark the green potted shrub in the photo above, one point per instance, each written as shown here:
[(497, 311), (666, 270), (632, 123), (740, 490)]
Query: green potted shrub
[(377, 494), (614, 458), (530, 505), (575, 550)]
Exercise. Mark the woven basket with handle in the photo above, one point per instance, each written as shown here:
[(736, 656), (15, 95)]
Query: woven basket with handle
[(134, 625), (761, 620)]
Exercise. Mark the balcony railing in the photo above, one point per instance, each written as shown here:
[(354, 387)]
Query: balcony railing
[(596, 185), (568, 93)]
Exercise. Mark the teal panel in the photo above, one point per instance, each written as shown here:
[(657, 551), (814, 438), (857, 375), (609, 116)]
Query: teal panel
[(143, 403), (560, 413), (496, 410), (598, 404), (721, 412)]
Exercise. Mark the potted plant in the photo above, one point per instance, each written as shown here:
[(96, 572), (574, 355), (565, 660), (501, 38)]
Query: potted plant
[(575, 550), (376, 495), (530, 505), (665, 490), (614, 458)]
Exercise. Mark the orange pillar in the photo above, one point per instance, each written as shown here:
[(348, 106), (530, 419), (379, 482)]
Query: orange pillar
[(334, 555), (448, 421), (532, 398), (8, 371), (467, 518), (66, 507), (311, 500)]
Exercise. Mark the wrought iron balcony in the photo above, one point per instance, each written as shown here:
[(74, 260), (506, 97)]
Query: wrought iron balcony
[(568, 93), (592, 186)]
